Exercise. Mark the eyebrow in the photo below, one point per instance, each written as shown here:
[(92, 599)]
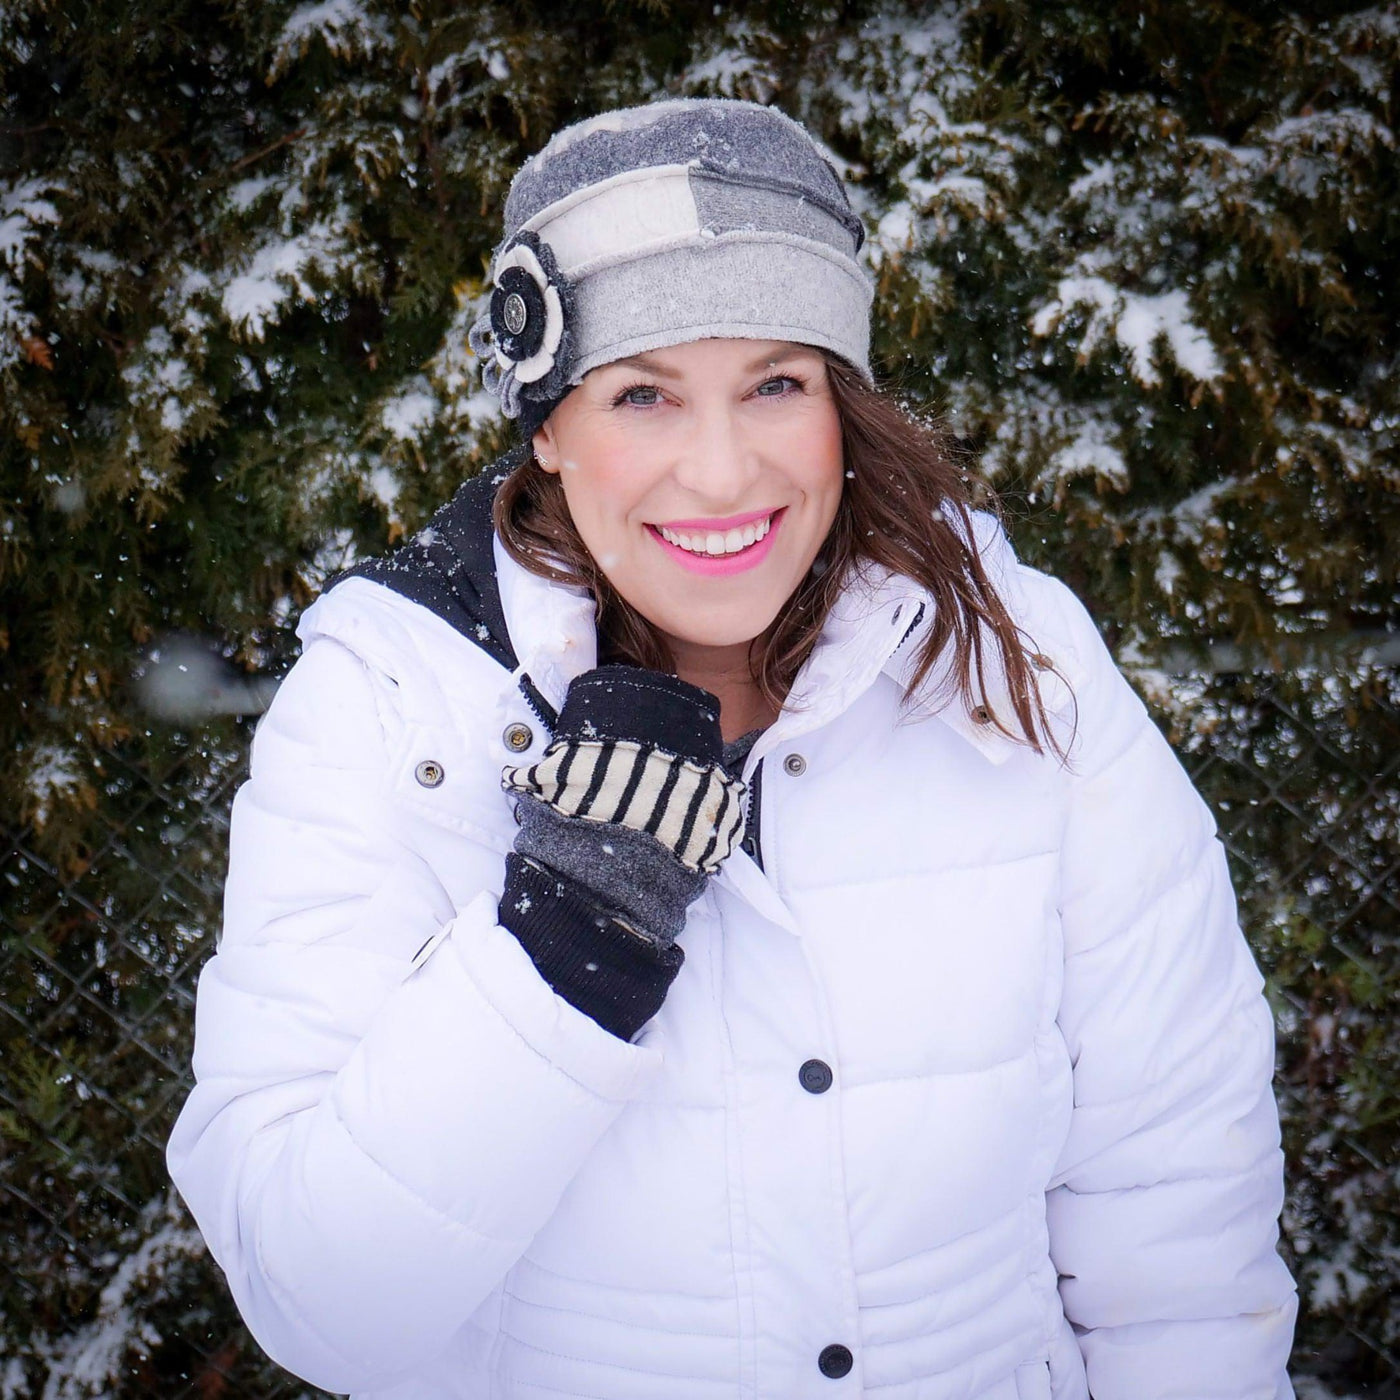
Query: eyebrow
[(662, 370)]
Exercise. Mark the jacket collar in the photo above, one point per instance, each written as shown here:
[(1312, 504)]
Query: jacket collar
[(875, 627), (552, 626), (878, 627)]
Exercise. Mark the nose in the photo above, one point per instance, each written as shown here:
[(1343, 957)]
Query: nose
[(718, 460)]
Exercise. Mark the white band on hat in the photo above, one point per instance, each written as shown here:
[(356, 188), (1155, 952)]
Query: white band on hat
[(625, 216)]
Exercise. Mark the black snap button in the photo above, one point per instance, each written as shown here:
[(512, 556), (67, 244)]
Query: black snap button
[(982, 715), (794, 765), (835, 1361), (815, 1076), (517, 737), (429, 773)]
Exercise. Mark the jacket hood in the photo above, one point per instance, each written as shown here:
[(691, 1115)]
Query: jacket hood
[(449, 566)]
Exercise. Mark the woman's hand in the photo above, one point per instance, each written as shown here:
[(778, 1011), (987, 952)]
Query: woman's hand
[(642, 751), (621, 823)]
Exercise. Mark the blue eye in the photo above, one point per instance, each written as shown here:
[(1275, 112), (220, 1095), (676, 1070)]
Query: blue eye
[(779, 386), (650, 396)]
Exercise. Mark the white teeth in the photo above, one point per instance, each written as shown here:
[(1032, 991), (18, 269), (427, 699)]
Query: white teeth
[(714, 542)]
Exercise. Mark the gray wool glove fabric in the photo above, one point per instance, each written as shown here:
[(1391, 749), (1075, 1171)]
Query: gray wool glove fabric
[(629, 871)]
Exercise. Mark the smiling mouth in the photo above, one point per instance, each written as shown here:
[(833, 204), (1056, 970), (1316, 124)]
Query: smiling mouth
[(710, 544)]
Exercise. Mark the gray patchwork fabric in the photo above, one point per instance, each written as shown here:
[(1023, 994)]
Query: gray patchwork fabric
[(745, 286), (726, 206), (750, 142)]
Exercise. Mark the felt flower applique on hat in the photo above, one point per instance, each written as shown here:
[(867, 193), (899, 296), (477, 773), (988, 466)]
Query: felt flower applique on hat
[(524, 337)]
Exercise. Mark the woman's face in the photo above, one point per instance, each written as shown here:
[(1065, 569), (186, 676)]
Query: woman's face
[(703, 479)]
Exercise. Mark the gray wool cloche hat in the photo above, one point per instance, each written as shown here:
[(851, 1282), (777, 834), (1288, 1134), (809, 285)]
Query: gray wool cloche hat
[(671, 222)]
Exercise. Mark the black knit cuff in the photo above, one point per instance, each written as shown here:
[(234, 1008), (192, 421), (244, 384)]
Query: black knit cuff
[(646, 707), (586, 954)]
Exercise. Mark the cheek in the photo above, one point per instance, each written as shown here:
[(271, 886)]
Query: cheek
[(821, 463), (603, 494)]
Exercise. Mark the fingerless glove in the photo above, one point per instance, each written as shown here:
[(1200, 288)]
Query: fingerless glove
[(621, 822)]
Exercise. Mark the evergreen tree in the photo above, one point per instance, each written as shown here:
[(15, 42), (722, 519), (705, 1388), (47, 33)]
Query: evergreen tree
[(1141, 257)]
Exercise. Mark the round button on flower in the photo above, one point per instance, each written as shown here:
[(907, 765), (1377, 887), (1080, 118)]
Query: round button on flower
[(520, 318), (514, 313)]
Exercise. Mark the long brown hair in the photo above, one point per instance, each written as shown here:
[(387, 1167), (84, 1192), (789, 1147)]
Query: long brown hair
[(906, 505)]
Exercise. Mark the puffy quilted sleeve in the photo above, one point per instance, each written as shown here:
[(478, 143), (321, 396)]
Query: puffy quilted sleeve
[(1164, 1207), (390, 1101)]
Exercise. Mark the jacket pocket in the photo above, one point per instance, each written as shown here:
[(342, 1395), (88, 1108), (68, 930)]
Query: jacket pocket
[(1033, 1381)]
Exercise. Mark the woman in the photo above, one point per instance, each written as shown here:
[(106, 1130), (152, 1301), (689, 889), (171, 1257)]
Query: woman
[(704, 921)]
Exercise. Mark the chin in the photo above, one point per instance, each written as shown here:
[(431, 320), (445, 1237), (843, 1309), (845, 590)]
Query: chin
[(694, 638), (714, 631)]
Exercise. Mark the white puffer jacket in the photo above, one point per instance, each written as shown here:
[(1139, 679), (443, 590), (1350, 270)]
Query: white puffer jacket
[(1047, 1164)]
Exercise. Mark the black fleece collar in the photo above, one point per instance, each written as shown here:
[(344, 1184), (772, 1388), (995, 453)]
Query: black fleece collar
[(449, 567)]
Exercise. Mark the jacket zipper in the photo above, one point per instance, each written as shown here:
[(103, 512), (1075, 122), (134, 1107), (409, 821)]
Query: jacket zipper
[(909, 631), (539, 706), (751, 842)]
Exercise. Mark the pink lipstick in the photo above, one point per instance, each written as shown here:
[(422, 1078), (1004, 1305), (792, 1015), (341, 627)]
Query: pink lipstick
[(718, 565)]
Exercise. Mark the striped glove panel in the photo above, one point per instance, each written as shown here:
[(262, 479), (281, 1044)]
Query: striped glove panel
[(695, 810)]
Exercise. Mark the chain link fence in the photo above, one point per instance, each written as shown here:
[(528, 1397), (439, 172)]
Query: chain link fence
[(105, 1287)]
